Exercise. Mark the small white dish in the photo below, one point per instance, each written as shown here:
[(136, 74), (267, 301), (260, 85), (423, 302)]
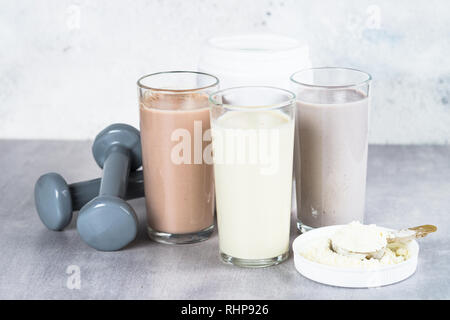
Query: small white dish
[(351, 277)]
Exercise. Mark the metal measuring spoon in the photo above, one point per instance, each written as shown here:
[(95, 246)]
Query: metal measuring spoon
[(399, 236)]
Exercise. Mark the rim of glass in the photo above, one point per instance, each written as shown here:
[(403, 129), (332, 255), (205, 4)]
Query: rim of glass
[(291, 100), (141, 85), (350, 85)]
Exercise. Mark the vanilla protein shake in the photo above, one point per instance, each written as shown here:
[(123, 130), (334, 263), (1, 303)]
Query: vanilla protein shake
[(331, 153), (253, 157), (254, 207)]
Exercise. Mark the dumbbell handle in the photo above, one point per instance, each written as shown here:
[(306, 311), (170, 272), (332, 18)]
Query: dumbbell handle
[(115, 172), (83, 192)]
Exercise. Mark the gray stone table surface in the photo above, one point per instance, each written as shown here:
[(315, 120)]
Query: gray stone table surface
[(406, 186)]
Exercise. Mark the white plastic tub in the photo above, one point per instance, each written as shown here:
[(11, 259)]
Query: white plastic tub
[(351, 277), (254, 59)]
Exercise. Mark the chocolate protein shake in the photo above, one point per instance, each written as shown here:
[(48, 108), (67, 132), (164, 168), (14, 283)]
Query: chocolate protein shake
[(179, 181)]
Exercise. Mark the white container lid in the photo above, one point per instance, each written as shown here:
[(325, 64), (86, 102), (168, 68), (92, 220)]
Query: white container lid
[(254, 59), (351, 277)]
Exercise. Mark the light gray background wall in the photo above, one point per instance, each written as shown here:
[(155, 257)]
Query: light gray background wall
[(68, 68)]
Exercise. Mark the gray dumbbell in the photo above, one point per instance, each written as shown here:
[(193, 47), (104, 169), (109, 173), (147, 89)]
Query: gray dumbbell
[(56, 200), (108, 222)]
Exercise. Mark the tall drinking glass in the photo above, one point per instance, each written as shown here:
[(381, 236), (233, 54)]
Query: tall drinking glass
[(253, 140), (331, 141), (175, 137)]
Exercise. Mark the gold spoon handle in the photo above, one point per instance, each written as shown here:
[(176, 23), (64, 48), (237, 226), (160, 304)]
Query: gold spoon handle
[(422, 231), (411, 233)]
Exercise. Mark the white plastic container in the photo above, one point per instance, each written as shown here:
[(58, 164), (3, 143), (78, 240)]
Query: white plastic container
[(254, 59), (351, 277)]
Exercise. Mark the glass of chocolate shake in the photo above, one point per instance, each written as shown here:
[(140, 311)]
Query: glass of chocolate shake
[(177, 159), (331, 140)]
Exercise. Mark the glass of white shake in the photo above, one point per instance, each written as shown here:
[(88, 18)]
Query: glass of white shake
[(331, 140), (253, 140)]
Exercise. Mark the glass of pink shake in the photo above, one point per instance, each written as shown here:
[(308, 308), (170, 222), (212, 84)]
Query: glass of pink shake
[(176, 151), (331, 140)]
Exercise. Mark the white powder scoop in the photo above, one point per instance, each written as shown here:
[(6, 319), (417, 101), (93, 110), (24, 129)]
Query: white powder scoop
[(369, 241)]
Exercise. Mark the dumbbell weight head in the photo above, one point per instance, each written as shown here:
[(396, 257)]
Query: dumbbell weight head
[(109, 223), (118, 134), (53, 201)]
